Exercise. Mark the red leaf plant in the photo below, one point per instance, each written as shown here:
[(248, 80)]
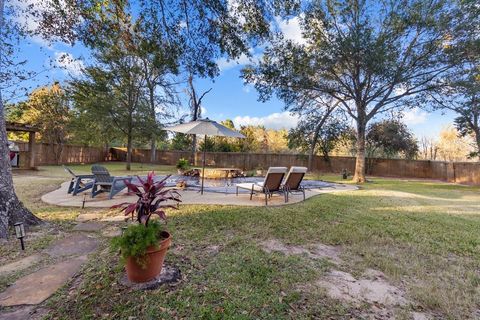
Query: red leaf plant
[(151, 196)]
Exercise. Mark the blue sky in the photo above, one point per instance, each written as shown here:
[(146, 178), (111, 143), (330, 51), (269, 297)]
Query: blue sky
[(229, 98)]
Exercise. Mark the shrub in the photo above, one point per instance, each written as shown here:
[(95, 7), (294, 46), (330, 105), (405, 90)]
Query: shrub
[(136, 239), (182, 164)]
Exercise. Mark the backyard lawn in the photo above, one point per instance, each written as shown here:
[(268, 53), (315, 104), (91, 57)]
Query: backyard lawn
[(423, 237)]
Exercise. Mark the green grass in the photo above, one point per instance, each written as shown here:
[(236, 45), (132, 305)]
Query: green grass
[(115, 168), (423, 235)]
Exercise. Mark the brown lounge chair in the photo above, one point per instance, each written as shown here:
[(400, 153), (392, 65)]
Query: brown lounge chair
[(293, 181), (270, 185)]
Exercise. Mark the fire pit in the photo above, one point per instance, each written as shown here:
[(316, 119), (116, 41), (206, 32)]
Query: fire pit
[(222, 173)]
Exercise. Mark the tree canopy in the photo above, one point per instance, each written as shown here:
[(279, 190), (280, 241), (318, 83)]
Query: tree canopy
[(371, 56)]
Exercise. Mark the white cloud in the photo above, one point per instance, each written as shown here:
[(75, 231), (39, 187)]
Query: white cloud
[(414, 116), (291, 29), (68, 63), (225, 64), (28, 21), (247, 88), (203, 111), (278, 120)]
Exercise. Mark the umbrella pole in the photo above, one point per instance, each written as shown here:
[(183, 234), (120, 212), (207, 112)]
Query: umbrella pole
[(203, 165)]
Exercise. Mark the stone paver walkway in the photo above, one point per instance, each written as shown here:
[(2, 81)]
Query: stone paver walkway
[(89, 226), (38, 286), (20, 265), (70, 253), (75, 244)]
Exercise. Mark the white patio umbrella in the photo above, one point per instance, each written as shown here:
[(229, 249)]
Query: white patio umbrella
[(205, 127)]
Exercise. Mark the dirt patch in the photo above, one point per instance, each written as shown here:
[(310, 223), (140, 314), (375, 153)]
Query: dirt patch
[(343, 286), (420, 316), (316, 251), (213, 249), (372, 288)]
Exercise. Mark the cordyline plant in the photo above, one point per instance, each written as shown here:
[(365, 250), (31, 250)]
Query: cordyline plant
[(151, 196)]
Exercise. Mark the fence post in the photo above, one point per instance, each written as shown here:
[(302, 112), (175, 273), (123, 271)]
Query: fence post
[(450, 172)]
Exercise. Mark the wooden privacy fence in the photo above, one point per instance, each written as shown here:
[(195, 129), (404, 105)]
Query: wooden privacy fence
[(460, 172), (50, 154)]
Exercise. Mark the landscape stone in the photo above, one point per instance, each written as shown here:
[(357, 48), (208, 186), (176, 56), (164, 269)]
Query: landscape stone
[(111, 232), (89, 226), (88, 217), (20, 264), (117, 218), (38, 286), (75, 244)]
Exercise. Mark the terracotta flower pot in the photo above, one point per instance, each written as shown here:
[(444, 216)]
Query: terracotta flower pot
[(153, 261)]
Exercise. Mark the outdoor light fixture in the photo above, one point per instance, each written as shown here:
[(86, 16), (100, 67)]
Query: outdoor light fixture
[(20, 232)]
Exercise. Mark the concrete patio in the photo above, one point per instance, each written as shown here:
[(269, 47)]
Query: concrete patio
[(60, 197)]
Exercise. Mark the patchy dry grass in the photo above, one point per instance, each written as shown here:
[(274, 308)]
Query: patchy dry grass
[(423, 235)]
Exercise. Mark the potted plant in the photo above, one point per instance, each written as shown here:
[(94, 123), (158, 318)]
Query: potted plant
[(143, 246), (182, 165)]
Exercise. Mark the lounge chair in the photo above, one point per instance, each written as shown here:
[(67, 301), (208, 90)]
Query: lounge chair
[(293, 181), (104, 182), (270, 185), (79, 182)]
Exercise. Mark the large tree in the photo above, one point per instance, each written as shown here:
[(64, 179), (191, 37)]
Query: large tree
[(195, 105), (320, 119), (318, 132), (390, 138), (159, 66), (11, 71), (461, 94), (372, 56), (134, 69), (114, 90), (48, 109)]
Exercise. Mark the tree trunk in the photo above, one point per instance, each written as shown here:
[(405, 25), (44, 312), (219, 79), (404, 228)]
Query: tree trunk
[(153, 146), (310, 159), (316, 133), (313, 143), (129, 144), (194, 150), (359, 176), (311, 151), (194, 143), (153, 150), (11, 209), (477, 140)]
